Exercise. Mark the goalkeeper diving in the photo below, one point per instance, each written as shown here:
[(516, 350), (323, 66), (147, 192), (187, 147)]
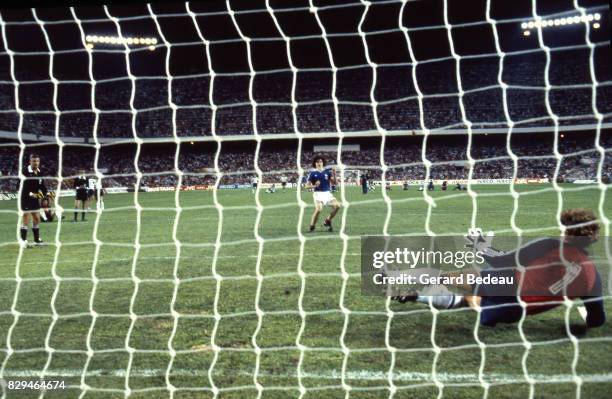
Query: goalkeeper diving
[(554, 268), (321, 180)]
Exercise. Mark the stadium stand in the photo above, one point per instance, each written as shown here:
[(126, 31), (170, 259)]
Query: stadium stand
[(570, 99)]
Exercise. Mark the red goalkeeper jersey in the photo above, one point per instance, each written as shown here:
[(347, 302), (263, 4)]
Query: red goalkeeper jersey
[(572, 274)]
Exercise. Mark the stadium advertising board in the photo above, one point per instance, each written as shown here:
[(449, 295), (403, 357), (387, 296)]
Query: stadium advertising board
[(173, 188), (465, 181), (116, 190), (233, 186), (8, 196)]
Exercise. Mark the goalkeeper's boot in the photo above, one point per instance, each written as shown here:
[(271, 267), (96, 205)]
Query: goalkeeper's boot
[(327, 225), (311, 228), (39, 242), (23, 243)]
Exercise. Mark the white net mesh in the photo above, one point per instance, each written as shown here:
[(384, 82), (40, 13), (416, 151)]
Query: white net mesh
[(205, 290)]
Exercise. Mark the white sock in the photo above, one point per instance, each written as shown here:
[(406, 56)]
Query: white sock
[(440, 297)]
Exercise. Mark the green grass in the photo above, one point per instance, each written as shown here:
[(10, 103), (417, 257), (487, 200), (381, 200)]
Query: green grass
[(324, 332)]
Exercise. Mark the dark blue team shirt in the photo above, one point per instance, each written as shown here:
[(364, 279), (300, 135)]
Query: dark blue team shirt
[(323, 176)]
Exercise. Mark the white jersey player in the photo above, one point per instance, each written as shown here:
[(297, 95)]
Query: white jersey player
[(254, 183), (91, 191)]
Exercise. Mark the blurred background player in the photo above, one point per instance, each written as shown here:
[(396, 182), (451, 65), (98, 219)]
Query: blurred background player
[(99, 195), (91, 192), (254, 183), (320, 180), (47, 208), (430, 185), (555, 266), (32, 187), (80, 187), (271, 189), (364, 183), (283, 180)]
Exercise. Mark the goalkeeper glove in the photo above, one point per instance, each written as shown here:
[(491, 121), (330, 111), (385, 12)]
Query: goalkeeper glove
[(475, 240), (410, 297)]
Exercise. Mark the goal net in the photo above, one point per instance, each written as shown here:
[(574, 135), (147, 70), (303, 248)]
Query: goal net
[(192, 281)]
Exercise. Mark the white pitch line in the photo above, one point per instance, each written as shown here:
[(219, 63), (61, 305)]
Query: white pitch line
[(363, 375), (368, 375)]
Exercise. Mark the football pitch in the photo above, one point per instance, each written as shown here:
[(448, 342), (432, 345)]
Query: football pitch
[(169, 293)]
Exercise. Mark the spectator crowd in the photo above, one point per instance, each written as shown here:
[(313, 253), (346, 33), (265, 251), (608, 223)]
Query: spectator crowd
[(396, 91), (162, 165)]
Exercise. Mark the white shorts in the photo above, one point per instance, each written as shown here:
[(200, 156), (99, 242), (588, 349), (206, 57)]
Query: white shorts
[(325, 197)]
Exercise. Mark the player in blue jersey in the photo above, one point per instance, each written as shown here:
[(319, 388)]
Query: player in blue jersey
[(320, 180)]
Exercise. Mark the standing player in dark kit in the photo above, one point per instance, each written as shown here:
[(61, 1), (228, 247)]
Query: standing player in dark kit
[(364, 183), (80, 187), (31, 189)]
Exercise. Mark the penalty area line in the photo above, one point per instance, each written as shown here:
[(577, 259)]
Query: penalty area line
[(363, 375)]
